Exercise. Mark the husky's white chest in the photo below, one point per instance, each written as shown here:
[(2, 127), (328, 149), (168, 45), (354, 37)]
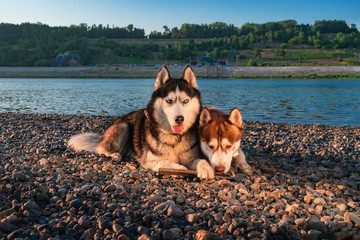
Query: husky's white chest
[(174, 148)]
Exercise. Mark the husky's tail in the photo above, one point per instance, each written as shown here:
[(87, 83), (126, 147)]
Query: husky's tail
[(86, 141)]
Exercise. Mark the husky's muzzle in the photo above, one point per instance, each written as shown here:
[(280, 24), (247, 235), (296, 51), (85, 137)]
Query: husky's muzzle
[(179, 120)]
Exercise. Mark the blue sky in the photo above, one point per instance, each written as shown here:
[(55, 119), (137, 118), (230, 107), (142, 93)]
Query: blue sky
[(153, 15)]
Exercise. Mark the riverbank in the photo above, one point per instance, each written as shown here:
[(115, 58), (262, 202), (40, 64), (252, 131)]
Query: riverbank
[(305, 186), (202, 72)]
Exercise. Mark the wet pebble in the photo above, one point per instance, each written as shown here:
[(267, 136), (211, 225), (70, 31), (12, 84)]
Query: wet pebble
[(172, 233), (110, 188), (352, 217), (76, 203), (155, 198), (18, 176), (5, 226), (104, 222), (174, 211)]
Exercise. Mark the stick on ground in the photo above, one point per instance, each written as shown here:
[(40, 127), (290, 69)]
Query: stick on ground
[(188, 173)]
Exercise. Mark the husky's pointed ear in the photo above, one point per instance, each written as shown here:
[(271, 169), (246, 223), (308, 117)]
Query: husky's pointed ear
[(189, 76), (205, 117), (235, 117), (162, 77)]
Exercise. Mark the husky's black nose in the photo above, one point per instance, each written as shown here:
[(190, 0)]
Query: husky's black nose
[(220, 168), (179, 119)]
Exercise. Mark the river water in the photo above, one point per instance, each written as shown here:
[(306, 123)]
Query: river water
[(309, 101)]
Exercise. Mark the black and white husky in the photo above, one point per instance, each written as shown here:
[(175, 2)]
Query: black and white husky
[(164, 135)]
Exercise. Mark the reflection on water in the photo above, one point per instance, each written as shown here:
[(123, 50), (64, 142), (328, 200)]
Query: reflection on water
[(334, 102)]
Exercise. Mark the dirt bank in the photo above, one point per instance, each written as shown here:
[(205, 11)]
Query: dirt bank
[(150, 72)]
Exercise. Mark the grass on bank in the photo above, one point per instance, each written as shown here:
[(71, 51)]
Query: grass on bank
[(309, 76)]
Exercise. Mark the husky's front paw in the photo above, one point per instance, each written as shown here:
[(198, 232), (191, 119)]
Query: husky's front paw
[(245, 168), (115, 155), (204, 170), (240, 163)]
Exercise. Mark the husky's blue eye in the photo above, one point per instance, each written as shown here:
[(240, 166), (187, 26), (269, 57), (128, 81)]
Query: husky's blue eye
[(169, 101), (186, 101)]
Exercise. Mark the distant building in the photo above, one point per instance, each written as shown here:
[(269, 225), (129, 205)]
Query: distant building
[(352, 26), (207, 60), (222, 62)]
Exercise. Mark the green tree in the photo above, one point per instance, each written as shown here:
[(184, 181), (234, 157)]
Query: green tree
[(317, 43), (130, 27), (216, 53), (257, 52), (167, 32), (224, 54), (282, 52)]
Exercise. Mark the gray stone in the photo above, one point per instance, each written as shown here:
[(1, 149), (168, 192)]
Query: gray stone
[(352, 217), (300, 221), (5, 226), (164, 205), (313, 234), (317, 225), (88, 234), (84, 221), (218, 218), (6, 213), (205, 235), (110, 188), (76, 203), (155, 198), (18, 176), (172, 233), (238, 222), (193, 218), (174, 211), (104, 222), (40, 196), (144, 237)]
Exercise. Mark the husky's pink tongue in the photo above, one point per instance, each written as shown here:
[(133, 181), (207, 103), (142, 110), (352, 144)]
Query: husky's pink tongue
[(178, 129)]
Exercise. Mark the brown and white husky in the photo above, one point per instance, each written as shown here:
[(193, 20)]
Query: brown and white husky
[(220, 136)]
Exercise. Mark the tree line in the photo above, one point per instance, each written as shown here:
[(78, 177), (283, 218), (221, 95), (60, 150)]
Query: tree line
[(281, 31), (277, 31), (37, 44)]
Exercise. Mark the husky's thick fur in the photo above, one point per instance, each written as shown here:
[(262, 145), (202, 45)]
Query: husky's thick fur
[(220, 135), (164, 135)]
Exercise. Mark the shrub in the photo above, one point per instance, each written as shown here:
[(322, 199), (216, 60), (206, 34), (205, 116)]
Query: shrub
[(42, 63), (251, 63), (264, 64), (312, 76), (241, 56)]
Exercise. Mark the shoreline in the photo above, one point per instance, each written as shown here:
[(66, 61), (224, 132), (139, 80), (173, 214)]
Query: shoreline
[(305, 186), (326, 72)]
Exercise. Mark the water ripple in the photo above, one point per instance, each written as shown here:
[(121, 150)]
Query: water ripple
[(333, 102)]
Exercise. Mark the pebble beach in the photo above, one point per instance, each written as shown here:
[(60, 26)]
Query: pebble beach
[(305, 185)]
